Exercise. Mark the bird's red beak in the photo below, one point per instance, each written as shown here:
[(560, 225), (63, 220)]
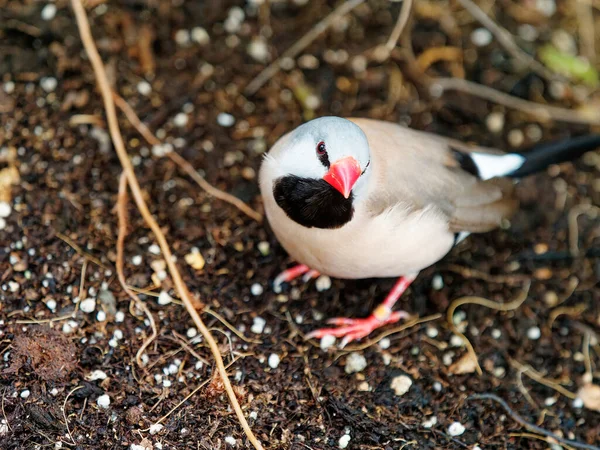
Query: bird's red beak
[(343, 174)]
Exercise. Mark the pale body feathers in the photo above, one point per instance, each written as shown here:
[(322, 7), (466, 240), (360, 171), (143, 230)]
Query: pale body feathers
[(413, 202)]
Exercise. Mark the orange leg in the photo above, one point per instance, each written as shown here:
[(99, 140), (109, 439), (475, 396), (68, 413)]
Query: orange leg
[(291, 274), (354, 329)]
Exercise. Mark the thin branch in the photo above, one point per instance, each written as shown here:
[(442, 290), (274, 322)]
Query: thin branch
[(506, 40), (543, 112), (383, 52), (531, 427), (514, 304), (111, 113), (271, 70), (182, 163), (122, 214)]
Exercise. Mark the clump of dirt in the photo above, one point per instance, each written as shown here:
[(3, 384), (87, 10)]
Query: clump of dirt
[(49, 354)]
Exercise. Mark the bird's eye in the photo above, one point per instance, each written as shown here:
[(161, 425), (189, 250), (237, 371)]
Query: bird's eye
[(321, 150)]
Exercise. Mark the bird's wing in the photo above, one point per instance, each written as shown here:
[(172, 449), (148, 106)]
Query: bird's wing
[(420, 171)]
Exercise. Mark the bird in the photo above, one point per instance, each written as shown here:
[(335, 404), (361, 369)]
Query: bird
[(356, 198)]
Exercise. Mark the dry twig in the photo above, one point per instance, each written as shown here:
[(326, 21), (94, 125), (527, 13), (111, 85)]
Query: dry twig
[(122, 214), (526, 369), (383, 51), (272, 69), (182, 163), (514, 304), (115, 132), (591, 211), (506, 40), (531, 427), (542, 112)]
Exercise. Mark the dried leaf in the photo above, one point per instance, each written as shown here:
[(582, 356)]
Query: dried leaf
[(466, 364), (590, 395)]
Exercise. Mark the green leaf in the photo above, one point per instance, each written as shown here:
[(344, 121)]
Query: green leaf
[(570, 66)]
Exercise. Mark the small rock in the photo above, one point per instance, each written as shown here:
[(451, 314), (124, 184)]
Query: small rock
[(256, 289), (481, 37), (180, 120), (136, 260), (274, 360), (264, 248), (154, 248), (88, 305), (258, 50), (49, 11), (430, 423), (432, 332), (156, 428), (5, 209), (195, 259), (515, 137), (164, 298), (120, 316), (96, 375), (546, 7), (456, 341), (191, 333), (327, 341), (495, 121), (225, 120), (323, 283), (344, 441), (144, 88), (534, 333), (230, 440), (182, 37), (2, 223), (401, 385), (100, 316), (437, 282), (355, 362), (51, 304), (48, 84), (456, 429), (577, 403), (200, 36), (258, 325), (103, 401), (385, 343), (25, 394)]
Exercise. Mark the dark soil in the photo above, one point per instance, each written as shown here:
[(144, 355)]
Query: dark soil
[(55, 135)]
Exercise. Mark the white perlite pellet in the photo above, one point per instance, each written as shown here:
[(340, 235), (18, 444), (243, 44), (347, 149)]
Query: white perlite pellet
[(88, 305), (274, 360), (49, 11), (456, 429), (327, 341), (401, 385), (258, 325), (344, 441), (355, 362), (5, 209), (103, 401)]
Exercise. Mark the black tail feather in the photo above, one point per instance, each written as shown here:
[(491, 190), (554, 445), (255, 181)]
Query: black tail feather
[(543, 155)]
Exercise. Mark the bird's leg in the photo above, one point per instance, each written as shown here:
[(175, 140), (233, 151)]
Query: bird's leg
[(354, 329), (292, 273)]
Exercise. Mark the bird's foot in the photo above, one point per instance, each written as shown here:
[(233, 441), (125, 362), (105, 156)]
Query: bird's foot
[(292, 273), (355, 329)]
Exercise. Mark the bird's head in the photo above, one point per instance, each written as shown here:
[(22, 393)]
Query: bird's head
[(323, 167)]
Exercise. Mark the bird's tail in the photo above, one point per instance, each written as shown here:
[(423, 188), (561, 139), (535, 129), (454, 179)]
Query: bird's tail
[(522, 164)]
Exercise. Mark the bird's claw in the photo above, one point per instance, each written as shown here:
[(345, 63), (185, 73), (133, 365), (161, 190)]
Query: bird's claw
[(355, 329)]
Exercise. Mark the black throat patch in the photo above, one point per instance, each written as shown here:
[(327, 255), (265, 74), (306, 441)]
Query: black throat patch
[(312, 203)]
